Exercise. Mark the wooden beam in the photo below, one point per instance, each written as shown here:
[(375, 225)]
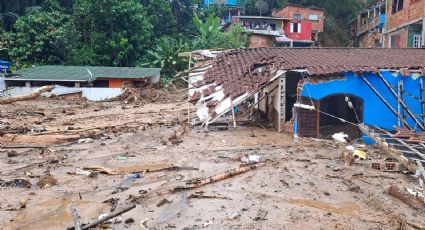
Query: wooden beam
[(405, 144), (396, 154), (382, 99), (405, 107)]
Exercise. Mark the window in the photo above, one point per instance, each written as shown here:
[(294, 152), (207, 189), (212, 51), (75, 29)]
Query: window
[(417, 41), (313, 17), (297, 16), (295, 27), (397, 5), (394, 41)]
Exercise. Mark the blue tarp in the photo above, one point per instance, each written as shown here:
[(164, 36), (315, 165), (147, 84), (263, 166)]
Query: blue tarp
[(4, 65), (226, 3)]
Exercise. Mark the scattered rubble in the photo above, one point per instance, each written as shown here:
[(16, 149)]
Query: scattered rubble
[(144, 169)]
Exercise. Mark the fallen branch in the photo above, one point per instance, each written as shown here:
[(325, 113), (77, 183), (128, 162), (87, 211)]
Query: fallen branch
[(75, 218), (33, 95), (408, 199), (218, 177), (207, 196), (110, 216)]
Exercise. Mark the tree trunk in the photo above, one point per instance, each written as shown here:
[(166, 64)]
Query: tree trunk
[(33, 95)]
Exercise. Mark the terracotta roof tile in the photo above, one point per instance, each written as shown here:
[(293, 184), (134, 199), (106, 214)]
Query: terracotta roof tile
[(237, 70)]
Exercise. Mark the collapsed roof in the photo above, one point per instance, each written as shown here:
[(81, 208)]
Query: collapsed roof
[(236, 74)]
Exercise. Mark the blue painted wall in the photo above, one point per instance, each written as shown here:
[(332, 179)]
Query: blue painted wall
[(375, 111), (228, 2)]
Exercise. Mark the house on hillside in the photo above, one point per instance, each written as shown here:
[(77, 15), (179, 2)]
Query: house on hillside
[(405, 27), (368, 29), (232, 9), (264, 31), (306, 23), (291, 26)]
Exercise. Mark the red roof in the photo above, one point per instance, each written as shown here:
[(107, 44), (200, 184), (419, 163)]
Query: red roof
[(238, 70)]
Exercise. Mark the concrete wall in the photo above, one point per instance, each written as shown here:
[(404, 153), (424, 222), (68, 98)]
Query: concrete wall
[(92, 94), (290, 10), (374, 112)]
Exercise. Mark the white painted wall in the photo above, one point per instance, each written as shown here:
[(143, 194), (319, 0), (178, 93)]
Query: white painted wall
[(92, 94), (2, 84)]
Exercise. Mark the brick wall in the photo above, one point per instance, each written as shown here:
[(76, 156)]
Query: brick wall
[(402, 40), (412, 10), (288, 11), (257, 41)]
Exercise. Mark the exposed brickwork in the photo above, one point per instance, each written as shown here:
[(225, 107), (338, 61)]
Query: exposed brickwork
[(401, 40), (289, 10), (258, 41), (412, 10)]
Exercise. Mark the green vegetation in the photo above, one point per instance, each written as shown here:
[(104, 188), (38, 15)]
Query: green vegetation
[(137, 32)]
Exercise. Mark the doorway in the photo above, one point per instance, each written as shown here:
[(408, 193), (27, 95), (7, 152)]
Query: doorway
[(339, 113)]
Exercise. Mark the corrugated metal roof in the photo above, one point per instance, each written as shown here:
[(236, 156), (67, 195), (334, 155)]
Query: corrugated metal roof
[(234, 70), (81, 73)]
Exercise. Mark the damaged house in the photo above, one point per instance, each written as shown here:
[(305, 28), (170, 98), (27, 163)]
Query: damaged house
[(367, 94), (315, 92)]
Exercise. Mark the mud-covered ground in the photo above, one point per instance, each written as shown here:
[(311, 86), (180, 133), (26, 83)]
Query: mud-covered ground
[(303, 183)]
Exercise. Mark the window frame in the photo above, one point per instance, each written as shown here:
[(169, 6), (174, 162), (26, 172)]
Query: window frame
[(417, 41)]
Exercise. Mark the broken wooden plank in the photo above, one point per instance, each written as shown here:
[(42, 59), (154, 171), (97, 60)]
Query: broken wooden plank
[(219, 177), (396, 154), (422, 170), (108, 217), (42, 140), (403, 195), (404, 144)]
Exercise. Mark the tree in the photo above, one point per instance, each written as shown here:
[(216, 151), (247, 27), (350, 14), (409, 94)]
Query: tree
[(35, 37), (209, 35), (160, 15), (183, 11), (165, 56), (113, 32)]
